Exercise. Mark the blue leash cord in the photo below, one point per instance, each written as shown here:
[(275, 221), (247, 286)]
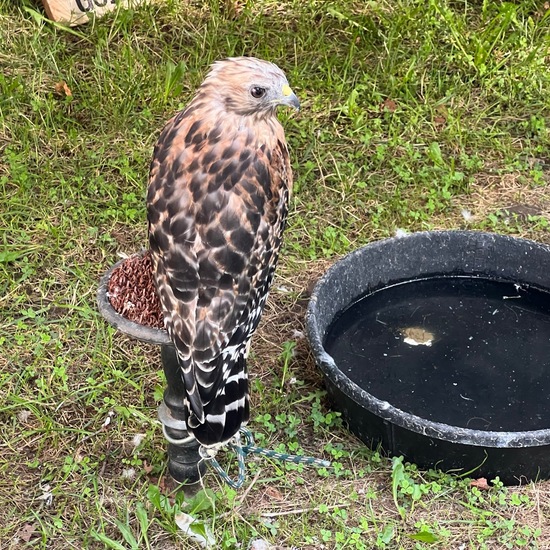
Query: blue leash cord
[(249, 448)]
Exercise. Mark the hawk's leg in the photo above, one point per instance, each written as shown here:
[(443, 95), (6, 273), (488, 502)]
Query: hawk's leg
[(184, 461)]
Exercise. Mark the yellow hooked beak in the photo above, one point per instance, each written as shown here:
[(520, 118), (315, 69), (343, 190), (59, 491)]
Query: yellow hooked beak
[(290, 98)]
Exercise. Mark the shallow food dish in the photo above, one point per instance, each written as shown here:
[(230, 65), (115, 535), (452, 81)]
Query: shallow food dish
[(436, 345), (135, 330)]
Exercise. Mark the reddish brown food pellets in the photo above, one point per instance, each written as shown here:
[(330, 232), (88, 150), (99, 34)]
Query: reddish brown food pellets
[(132, 291)]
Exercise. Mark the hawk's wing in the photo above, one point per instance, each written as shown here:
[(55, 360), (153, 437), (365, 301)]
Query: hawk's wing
[(216, 213)]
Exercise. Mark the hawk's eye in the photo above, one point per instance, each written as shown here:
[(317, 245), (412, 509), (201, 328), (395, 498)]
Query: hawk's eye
[(257, 92)]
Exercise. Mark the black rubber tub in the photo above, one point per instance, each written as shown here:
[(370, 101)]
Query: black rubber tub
[(436, 345)]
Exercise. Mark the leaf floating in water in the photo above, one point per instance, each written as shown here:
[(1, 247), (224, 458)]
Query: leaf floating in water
[(417, 336)]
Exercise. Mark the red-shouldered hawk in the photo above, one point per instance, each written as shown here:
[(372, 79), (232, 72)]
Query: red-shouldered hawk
[(217, 202)]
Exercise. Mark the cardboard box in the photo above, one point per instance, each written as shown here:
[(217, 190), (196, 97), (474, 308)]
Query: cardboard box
[(76, 12)]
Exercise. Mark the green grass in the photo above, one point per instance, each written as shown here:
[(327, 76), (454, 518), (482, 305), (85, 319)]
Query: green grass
[(413, 112)]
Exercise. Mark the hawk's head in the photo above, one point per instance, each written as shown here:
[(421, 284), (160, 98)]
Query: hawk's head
[(249, 86)]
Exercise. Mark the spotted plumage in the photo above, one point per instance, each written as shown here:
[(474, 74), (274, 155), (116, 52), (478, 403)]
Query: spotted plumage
[(217, 202)]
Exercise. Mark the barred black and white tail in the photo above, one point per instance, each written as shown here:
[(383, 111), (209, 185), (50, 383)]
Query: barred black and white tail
[(225, 413)]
